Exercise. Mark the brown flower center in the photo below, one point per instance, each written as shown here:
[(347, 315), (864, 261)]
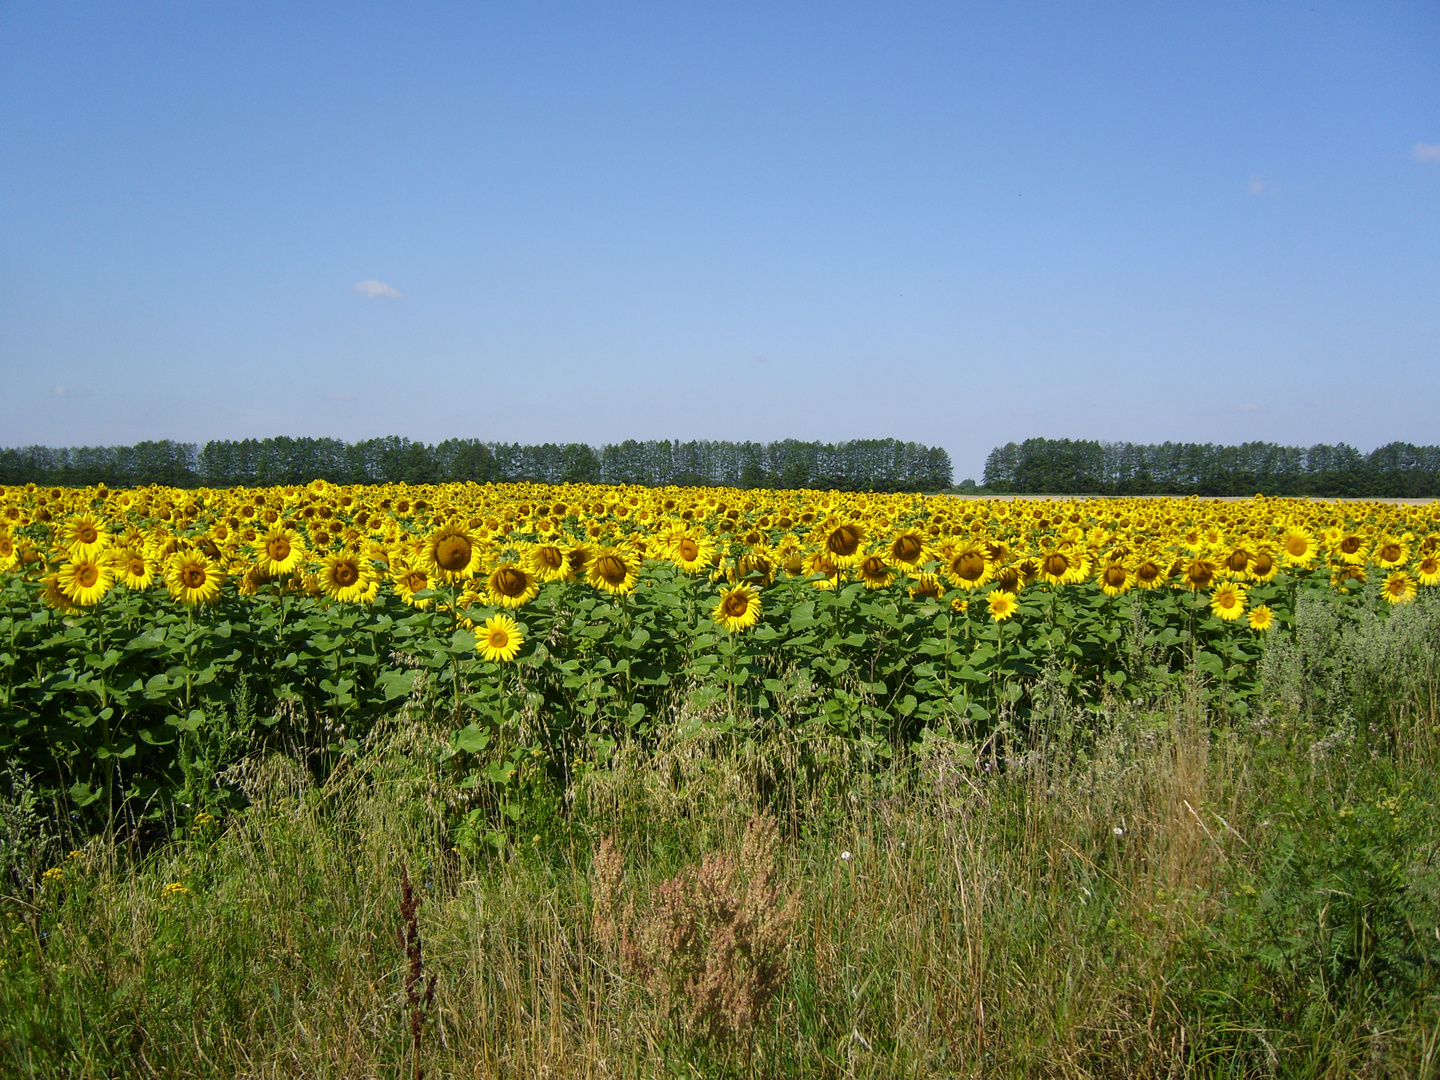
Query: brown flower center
[(735, 605), (907, 548), (346, 574), (1056, 564), (611, 569), (508, 581), (452, 554), (689, 550), (844, 541)]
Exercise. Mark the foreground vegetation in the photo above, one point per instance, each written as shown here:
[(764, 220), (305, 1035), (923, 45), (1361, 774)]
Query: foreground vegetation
[(1156, 886)]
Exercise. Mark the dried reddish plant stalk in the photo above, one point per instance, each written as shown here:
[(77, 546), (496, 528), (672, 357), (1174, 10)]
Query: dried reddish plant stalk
[(711, 944), (417, 999)]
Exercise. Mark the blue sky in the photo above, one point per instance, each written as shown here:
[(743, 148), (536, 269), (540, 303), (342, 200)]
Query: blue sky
[(957, 223)]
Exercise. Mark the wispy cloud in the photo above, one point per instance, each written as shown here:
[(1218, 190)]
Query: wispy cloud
[(1426, 151), (377, 290), (63, 391), (1258, 185)]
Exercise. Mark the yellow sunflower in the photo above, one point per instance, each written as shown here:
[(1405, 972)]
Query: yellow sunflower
[(133, 570), (1297, 547), (1151, 573), (1002, 605), (1228, 601), (967, 566), (193, 579), (84, 537), (614, 570), (9, 558), (841, 540), (909, 550), (511, 586), (1114, 578), (690, 552), (1261, 618), (820, 562), (927, 586), (738, 609), (1428, 570), (1264, 566), (874, 573), (408, 581), (1199, 573), (1390, 553), (54, 598), (499, 640), (279, 552), (1399, 588), (85, 581), (1351, 549), (548, 563), (1063, 567), (1345, 576), (345, 576), (452, 553)]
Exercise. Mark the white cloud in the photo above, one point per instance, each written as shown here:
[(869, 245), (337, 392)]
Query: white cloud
[(377, 290), (1257, 185), (69, 392), (1426, 151)]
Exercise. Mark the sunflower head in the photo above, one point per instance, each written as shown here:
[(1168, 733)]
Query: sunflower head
[(1399, 588), (85, 580), (548, 563), (193, 579), (511, 586), (1002, 604), (738, 609), (613, 570), (345, 576), (1228, 601), (499, 640), (968, 568), (84, 536), (452, 553)]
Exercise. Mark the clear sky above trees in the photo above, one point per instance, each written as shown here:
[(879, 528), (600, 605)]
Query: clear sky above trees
[(960, 224)]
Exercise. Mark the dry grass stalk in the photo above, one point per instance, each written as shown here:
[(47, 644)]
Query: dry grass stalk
[(711, 945)]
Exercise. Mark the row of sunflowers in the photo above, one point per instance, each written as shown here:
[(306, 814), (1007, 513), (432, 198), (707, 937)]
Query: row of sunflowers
[(499, 544), (142, 631)]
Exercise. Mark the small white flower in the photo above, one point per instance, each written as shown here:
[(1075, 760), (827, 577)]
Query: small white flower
[(1118, 831), (845, 856)]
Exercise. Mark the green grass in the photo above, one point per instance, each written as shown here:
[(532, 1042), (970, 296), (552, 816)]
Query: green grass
[(1144, 890)]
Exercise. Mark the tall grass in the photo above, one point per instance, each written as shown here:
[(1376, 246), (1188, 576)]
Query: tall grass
[(1135, 891)]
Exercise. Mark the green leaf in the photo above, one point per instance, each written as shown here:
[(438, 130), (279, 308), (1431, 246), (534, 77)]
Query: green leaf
[(471, 739)]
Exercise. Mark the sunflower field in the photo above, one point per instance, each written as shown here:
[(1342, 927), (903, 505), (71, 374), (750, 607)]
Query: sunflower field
[(149, 637)]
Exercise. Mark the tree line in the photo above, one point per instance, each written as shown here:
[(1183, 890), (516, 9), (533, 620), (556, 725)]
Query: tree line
[(858, 465), (1087, 467)]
